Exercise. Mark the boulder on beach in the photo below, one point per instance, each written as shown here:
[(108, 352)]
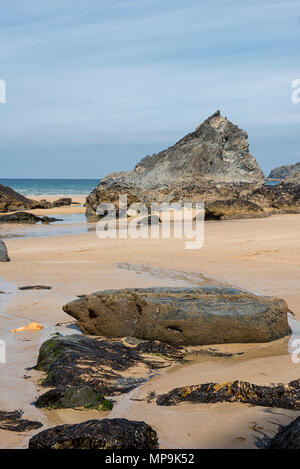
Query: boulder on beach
[(182, 316), (62, 202), (282, 172), (11, 200), (3, 252), (210, 163), (150, 220), (288, 437), (119, 434), (82, 370), (233, 209), (26, 217)]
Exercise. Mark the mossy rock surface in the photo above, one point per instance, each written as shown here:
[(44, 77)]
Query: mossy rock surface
[(74, 396)]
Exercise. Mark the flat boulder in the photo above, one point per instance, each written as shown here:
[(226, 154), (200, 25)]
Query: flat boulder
[(119, 434), (182, 316), (3, 252), (26, 217), (233, 209)]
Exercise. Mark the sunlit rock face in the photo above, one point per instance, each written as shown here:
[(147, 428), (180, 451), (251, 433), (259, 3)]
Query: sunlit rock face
[(210, 163)]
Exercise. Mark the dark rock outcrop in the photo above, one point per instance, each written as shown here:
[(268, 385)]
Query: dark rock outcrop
[(13, 422), (288, 437), (62, 202), (282, 172), (11, 201), (233, 209), (182, 316), (70, 397), (75, 360), (82, 370), (151, 220), (118, 434), (26, 217), (3, 252), (280, 395), (211, 163)]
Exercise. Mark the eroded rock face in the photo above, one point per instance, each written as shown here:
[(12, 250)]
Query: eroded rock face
[(3, 252), (212, 160), (182, 316), (97, 434), (282, 172)]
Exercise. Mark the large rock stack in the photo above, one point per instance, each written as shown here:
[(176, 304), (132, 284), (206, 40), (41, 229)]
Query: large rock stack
[(210, 163)]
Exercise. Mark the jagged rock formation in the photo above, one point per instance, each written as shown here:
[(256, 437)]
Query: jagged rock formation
[(119, 434), (11, 201), (281, 395), (3, 252), (210, 163), (282, 172), (182, 316)]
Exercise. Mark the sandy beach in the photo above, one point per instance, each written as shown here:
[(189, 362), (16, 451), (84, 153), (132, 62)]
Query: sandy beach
[(260, 255)]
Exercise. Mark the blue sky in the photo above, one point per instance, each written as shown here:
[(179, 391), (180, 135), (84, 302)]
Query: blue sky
[(95, 85)]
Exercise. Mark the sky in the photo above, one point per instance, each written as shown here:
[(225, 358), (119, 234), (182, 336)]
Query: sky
[(92, 86)]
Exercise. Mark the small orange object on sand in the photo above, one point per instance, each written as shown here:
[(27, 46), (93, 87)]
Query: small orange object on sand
[(33, 326)]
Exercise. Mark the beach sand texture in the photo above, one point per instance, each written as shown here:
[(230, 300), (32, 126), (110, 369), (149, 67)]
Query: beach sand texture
[(261, 255)]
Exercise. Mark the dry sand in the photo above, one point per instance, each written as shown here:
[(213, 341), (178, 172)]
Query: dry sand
[(261, 255)]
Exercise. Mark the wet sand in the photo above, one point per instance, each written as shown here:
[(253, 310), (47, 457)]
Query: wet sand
[(261, 255)]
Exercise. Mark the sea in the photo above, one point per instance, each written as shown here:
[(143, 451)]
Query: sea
[(35, 187)]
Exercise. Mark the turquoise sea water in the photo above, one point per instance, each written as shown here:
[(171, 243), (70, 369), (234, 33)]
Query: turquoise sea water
[(31, 187)]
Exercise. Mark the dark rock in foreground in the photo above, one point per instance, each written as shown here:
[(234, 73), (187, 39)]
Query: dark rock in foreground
[(282, 172), (3, 252), (82, 370), (71, 397), (283, 396), (26, 217), (75, 360), (13, 422), (288, 437), (119, 434), (182, 316)]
